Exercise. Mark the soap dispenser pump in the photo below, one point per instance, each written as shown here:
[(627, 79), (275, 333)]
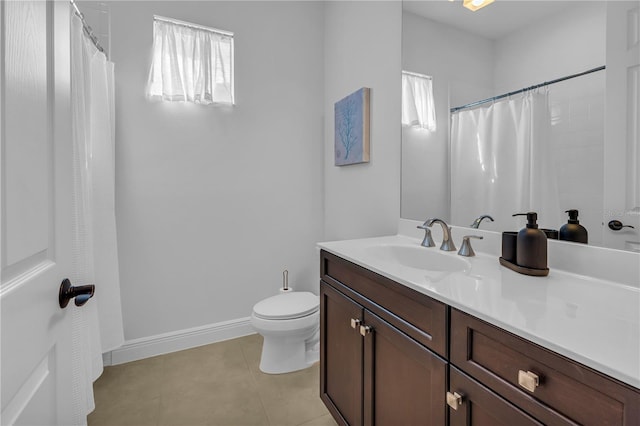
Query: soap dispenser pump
[(531, 244), (573, 231)]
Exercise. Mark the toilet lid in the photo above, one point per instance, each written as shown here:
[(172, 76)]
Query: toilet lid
[(296, 304)]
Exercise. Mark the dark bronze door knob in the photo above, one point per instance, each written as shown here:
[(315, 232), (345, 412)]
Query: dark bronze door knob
[(616, 225), (81, 294)]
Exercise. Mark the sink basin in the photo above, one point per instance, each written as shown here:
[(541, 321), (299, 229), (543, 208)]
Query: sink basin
[(418, 257)]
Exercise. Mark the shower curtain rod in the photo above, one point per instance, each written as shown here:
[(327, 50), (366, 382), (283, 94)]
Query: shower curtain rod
[(194, 26), (416, 74), (546, 83), (87, 28)]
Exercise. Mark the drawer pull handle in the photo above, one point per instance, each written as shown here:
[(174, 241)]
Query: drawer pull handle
[(454, 400), (528, 380), (355, 323), (365, 329)]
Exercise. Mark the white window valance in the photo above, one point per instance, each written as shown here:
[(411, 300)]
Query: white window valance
[(191, 63), (418, 107)]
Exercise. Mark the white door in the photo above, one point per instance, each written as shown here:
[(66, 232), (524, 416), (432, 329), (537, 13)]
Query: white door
[(622, 131), (35, 213)]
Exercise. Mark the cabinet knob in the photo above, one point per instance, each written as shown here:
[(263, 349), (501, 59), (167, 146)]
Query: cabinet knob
[(365, 329), (355, 323), (528, 380), (454, 400)]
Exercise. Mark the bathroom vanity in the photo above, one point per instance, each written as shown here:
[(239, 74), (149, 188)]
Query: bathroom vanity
[(469, 342)]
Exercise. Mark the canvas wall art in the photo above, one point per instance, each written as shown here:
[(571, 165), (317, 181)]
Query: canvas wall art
[(352, 128)]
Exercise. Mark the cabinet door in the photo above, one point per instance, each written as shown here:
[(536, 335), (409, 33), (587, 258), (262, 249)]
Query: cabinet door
[(340, 356), (404, 382), (480, 406)]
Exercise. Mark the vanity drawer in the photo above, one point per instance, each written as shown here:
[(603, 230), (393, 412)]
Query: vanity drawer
[(417, 315), (566, 392)]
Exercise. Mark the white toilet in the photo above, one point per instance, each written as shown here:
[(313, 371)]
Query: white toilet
[(290, 325)]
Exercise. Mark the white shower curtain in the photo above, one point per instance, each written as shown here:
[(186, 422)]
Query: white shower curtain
[(501, 163), (97, 326)]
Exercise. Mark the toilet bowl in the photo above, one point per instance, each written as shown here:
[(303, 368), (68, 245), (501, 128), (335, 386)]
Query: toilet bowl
[(290, 325)]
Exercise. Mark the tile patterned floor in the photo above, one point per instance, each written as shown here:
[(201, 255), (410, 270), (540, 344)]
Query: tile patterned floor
[(218, 384)]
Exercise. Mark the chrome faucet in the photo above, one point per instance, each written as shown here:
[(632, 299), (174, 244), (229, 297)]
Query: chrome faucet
[(476, 223), (447, 242)]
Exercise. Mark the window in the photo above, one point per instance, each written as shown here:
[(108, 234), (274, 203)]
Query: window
[(191, 63), (418, 109)]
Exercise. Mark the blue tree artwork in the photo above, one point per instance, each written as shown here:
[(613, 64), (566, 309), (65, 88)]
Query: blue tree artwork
[(352, 128)]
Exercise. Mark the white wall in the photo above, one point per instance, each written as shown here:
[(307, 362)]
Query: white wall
[(461, 65), (362, 49), (213, 203)]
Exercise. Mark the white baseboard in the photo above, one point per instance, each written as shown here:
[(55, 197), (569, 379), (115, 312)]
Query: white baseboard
[(165, 343)]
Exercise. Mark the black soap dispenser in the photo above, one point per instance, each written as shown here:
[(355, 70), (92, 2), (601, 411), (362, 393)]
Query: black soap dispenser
[(573, 231), (531, 244)]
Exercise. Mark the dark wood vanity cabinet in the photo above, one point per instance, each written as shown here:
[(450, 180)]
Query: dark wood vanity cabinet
[(370, 371), (386, 359)]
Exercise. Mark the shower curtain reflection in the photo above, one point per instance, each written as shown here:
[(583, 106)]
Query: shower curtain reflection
[(501, 163)]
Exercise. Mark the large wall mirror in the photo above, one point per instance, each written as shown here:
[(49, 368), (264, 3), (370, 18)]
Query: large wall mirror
[(568, 145)]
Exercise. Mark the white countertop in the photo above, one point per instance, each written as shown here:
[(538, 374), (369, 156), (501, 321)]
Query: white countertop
[(592, 321)]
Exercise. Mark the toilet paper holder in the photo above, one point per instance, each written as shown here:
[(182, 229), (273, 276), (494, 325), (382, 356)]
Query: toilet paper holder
[(285, 282)]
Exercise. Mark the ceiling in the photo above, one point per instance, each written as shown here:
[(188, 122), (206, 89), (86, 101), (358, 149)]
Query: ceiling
[(493, 21)]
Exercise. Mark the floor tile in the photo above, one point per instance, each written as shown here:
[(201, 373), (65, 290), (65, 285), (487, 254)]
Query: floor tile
[(139, 413), (293, 398), (252, 350), (219, 385), (325, 420), (207, 364), (230, 403), (132, 383), (238, 404)]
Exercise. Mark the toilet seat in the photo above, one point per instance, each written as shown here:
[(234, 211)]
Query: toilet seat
[(285, 306)]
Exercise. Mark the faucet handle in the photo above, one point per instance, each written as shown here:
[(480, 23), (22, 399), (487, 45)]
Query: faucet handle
[(466, 249), (428, 239)]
